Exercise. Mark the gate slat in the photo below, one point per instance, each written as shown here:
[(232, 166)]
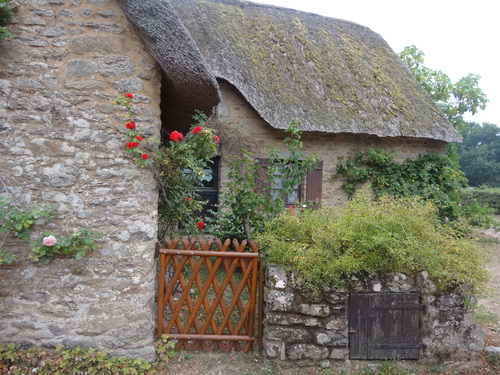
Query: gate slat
[(225, 331)]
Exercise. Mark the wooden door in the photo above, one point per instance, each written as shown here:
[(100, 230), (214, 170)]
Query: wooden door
[(384, 326)]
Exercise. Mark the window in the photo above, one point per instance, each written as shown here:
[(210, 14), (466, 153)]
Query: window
[(291, 198), (308, 191)]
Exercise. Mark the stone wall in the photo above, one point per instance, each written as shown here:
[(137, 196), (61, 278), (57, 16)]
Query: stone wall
[(304, 330), (62, 144), (256, 135)]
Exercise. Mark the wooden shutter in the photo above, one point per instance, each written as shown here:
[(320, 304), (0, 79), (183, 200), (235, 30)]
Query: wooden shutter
[(261, 175), (384, 326), (314, 184)]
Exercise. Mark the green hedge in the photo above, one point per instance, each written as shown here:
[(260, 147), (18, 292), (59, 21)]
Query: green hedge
[(482, 196), (331, 246)]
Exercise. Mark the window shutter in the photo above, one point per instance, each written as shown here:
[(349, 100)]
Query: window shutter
[(314, 184), (261, 175)]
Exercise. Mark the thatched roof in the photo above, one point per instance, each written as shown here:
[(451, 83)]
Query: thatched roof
[(190, 81), (333, 75)]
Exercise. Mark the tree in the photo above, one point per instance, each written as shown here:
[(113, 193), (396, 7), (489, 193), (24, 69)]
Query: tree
[(480, 154), (6, 13), (454, 99)]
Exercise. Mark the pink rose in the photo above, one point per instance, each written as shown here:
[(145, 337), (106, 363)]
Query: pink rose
[(49, 241)]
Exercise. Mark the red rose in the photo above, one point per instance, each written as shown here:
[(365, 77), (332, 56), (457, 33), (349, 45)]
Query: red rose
[(130, 125), (201, 225), (132, 144), (176, 136), (216, 139), (145, 156), (130, 96), (188, 199), (197, 129), (139, 138)]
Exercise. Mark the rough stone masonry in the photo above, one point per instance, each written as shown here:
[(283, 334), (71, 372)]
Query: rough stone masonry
[(62, 144), (309, 330)]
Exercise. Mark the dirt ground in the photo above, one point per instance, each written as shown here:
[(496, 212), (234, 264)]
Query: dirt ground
[(204, 363)]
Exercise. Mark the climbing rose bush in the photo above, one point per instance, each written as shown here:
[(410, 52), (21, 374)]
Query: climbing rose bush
[(178, 164)]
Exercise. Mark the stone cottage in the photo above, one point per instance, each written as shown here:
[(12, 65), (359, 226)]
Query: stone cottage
[(254, 67)]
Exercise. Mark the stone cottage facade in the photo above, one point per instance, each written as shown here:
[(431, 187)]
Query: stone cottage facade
[(63, 144)]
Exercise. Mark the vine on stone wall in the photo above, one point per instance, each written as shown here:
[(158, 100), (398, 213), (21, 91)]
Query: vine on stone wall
[(432, 177), (21, 224)]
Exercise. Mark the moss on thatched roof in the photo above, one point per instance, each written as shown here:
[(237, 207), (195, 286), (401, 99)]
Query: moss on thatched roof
[(334, 75)]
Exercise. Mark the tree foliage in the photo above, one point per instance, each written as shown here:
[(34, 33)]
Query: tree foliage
[(480, 154), (248, 206), (454, 99), (6, 13)]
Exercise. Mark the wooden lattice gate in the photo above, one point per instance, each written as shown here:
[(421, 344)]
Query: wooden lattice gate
[(209, 294)]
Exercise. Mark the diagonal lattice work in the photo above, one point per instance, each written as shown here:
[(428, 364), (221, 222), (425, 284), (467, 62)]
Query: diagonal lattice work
[(207, 294)]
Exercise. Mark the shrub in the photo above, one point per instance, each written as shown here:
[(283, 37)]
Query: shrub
[(483, 196), (15, 360), (330, 246)]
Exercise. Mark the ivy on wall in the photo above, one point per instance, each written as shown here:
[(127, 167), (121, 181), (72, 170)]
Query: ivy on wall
[(432, 177)]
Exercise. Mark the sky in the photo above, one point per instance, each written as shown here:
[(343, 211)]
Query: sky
[(457, 37)]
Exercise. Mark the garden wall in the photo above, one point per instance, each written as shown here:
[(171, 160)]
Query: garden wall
[(62, 144), (308, 330)]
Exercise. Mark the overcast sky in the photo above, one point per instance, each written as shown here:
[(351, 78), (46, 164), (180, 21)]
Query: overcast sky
[(457, 36)]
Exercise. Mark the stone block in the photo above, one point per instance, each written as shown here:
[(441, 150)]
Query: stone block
[(84, 85), (116, 66), (275, 349), (287, 334), (279, 301), (320, 310), (107, 13), (80, 68), (34, 41), (54, 31), (276, 277), (43, 12), (332, 338), (128, 85), (59, 175), (291, 319), (101, 3), (105, 27), (306, 351), (339, 353)]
